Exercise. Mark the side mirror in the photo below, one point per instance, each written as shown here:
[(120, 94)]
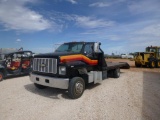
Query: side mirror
[(97, 47)]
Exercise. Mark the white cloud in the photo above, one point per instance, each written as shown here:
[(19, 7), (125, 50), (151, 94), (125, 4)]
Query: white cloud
[(72, 1), (14, 15), (144, 6), (18, 40), (153, 29), (132, 36), (100, 4), (106, 4), (89, 23), (135, 37)]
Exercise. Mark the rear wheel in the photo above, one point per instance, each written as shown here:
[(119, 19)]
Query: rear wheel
[(116, 73), (39, 86), (1, 76), (76, 87), (158, 64), (152, 64)]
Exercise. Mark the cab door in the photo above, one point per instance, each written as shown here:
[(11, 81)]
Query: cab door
[(88, 50)]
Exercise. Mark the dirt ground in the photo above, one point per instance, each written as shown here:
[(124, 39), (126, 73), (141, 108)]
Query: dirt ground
[(133, 96)]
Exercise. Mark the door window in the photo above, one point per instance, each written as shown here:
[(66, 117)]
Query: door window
[(88, 49)]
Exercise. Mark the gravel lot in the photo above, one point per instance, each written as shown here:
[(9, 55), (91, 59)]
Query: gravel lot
[(133, 96)]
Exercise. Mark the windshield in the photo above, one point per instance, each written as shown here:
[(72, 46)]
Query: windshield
[(70, 47), (152, 50)]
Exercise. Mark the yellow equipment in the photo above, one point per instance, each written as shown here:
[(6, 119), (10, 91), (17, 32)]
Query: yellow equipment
[(150, 58)]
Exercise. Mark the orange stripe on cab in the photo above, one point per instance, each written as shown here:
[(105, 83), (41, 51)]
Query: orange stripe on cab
[(69, 58)]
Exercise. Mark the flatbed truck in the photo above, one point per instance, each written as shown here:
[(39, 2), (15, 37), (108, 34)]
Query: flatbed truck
[(72, 66)]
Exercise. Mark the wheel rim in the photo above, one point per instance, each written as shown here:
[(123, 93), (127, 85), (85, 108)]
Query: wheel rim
[(153, 64), (78, 88)]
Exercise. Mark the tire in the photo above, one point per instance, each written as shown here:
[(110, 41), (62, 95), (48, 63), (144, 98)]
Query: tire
[(76, 87), (116, 73), (1, 76), (152, 64), (137, 65), (39, 86), (158, 64)]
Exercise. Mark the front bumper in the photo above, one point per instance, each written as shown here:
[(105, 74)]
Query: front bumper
[(62, 83)]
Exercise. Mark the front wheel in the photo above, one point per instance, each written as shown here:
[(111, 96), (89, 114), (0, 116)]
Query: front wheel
[(76, 87), (152, 64), (1, 76), (39, 86)]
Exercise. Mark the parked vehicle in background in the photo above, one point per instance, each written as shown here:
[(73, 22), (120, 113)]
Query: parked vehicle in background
[(16, 63), (128, 56), (72, 66), (150, 58)]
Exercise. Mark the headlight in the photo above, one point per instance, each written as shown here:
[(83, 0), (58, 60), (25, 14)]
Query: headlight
[(62, 70)]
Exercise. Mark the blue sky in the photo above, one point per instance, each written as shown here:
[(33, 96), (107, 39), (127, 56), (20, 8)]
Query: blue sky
[(122, 26)]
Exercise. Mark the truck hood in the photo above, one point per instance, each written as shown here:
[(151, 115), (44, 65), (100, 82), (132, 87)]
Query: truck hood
[(54, 54)]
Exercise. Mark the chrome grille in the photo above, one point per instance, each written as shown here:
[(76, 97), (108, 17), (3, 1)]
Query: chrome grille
[(46, 65)]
